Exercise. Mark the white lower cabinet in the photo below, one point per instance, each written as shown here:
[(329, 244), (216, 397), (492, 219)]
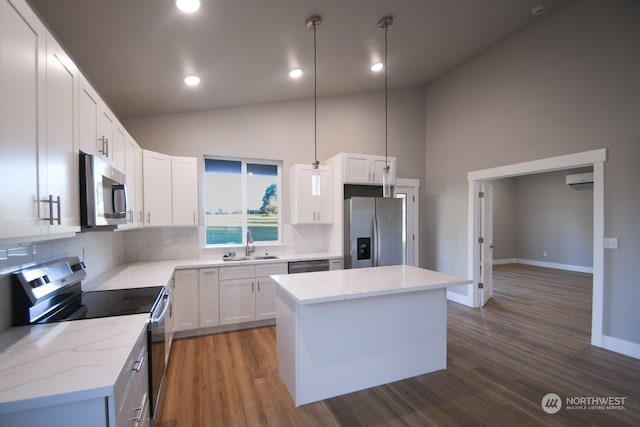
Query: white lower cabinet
[(247, 292), (185, 300), (209, 297), (195, 299), (127, 404), (131, 391)]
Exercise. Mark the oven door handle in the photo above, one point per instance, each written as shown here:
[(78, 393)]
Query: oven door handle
[(155, 320)]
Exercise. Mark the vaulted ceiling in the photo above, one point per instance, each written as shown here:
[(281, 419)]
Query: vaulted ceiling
[(137, 52)]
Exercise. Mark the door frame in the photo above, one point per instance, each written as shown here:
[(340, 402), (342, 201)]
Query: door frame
[(594, 158), (413, 214)]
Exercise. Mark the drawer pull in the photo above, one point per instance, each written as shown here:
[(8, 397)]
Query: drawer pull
[(137, 365)]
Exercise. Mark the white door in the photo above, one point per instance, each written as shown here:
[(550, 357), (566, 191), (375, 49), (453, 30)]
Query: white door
[(486, 240), (408, 191)]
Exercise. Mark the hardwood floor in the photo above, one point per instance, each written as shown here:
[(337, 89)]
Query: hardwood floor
[(531, 339)]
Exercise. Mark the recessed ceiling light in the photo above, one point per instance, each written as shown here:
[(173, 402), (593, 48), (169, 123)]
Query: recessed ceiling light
[(378, 66), (192, 80), (538, 10), (188, 6), (296, 73)]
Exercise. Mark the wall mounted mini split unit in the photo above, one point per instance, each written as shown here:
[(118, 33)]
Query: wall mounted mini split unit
[(580, 178)]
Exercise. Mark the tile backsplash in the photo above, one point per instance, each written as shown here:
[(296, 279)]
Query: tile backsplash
[(102, 251)]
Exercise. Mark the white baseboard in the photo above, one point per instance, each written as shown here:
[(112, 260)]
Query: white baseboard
[(555, 265), (505, 261), (627, 348), (460, 298)]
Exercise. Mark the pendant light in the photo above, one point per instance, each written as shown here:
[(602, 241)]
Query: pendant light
[(312, 24), (383, 24)]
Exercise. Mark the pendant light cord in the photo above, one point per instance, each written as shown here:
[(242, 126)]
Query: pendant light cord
[(386, 160), (315, 97)]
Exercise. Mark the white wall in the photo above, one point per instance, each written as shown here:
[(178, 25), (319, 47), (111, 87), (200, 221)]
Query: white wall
[(564, 85), (284, 131), (540, 213)]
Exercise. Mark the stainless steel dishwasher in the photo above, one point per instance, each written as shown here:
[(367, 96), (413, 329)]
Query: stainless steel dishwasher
[(308, 266)]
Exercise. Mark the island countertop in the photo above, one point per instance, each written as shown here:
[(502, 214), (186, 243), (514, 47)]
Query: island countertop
[(326, 286)]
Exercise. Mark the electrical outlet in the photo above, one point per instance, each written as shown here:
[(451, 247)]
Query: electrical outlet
[(611, 243), (544, 253)]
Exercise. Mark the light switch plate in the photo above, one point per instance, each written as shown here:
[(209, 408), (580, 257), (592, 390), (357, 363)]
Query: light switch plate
[(611, 243)]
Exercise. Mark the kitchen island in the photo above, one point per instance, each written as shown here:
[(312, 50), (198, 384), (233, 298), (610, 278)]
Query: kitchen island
[(347, 330)]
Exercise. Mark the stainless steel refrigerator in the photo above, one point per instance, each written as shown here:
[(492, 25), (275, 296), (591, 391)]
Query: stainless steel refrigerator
[(373, 232)]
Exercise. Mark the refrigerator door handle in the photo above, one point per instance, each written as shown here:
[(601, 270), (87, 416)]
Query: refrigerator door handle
[(376, 243)]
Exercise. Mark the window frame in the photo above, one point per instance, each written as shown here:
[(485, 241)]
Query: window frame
[(243, 182)]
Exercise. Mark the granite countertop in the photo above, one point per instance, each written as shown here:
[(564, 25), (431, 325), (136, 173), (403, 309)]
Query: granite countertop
[(64, 362), (326, 286)]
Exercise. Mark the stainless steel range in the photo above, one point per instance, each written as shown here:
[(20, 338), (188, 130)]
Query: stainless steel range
[(52, 292)]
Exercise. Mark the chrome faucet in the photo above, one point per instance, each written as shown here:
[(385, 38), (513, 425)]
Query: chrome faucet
[(249, 249)]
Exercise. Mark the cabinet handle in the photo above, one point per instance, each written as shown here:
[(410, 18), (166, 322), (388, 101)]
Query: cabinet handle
[(107, 143), (369, 176), (258, 285), (103, 142), (194, 217), (131, 216), (148, 217), (59, 211), (138, 364), (139, 411), (252, 286), (318, 216), (51, 202)]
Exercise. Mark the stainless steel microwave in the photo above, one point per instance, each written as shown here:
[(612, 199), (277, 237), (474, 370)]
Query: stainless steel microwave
[(103, 196)]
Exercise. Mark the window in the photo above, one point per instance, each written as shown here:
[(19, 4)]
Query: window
[(241, 195)]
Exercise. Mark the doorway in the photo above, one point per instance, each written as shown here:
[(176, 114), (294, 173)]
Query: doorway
[(478, 292), (408, 190)]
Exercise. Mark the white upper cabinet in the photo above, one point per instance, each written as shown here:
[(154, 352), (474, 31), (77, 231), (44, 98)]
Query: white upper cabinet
[(157, 189), (133, 174), (308, 209), (139, 188), (100, 132), (170, 190), (61, 138), (37, 164), (22, 81), (366, 169), (88, 117), (118, 148), (184, 185)]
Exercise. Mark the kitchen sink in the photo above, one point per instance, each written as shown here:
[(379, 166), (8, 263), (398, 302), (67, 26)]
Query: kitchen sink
[(248, 258)]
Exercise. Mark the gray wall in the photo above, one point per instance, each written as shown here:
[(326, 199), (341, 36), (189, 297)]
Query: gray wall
[(284, 131), (540, 213), (566, 84)]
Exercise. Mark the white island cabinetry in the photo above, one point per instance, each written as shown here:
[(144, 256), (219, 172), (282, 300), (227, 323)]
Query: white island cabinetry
[(333, 339)]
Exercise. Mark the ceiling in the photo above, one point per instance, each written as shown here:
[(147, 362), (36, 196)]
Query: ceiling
[(136, 53)]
